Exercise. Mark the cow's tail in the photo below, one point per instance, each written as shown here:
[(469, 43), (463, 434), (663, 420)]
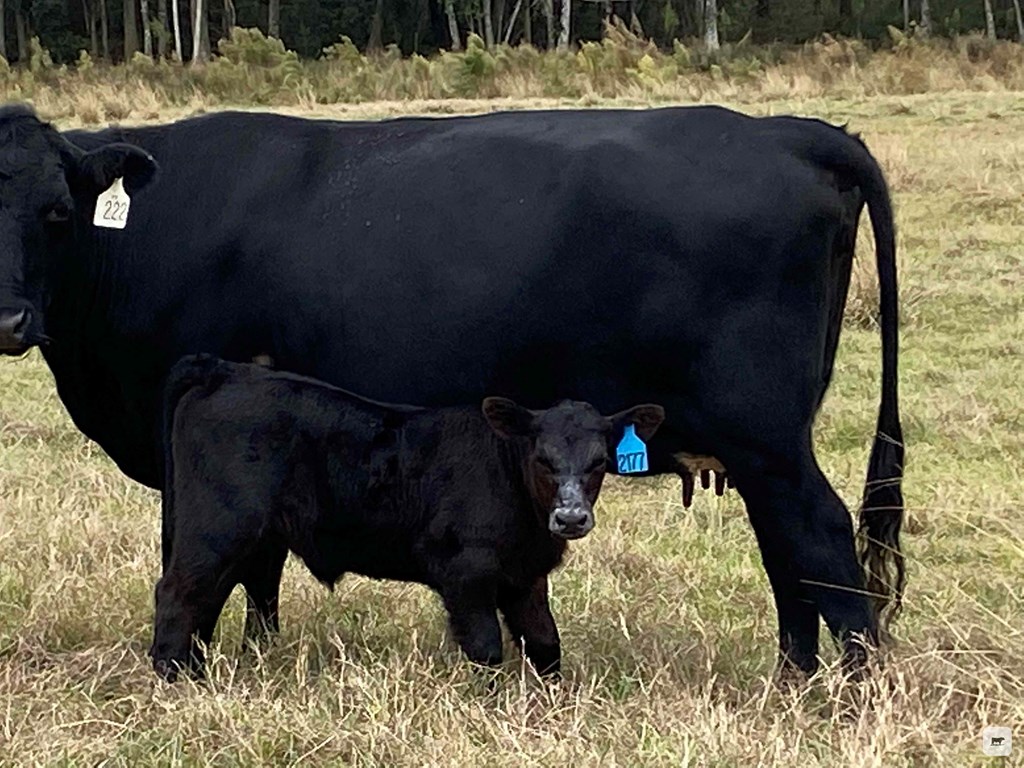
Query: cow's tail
[(188, 373), (881, 514)]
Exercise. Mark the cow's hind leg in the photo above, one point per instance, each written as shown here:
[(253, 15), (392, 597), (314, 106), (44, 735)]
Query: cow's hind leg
[(807, 545), (532, 626), (262, 583)]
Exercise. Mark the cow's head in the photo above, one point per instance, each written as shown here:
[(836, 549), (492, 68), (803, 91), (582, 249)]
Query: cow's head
[(570, 448), (48, 190)]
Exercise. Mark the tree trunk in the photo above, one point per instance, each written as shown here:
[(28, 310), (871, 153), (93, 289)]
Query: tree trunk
[(21, 30), (498, 15), (176, 21), (147, 32), (549, 21), (845, 14), (376, 41), (528, 23), (274, 18), (990, 21), (1020, 21), (453, 25), (926, 18), (422, 23), (512, 22), (230, 17), (906, 15), (711, 41), (488, 24), (3, 30), (200, 32), (131, 30), (91, 23), (161, 29), (564, 31), (104, 29)]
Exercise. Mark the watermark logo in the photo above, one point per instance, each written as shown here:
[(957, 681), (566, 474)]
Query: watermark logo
[(996, 741)]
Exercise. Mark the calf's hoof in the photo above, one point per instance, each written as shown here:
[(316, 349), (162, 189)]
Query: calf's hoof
[(171, 668), (167, 669)]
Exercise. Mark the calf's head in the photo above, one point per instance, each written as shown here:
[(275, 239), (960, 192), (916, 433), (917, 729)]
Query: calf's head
[(48, 190), (570, 448)]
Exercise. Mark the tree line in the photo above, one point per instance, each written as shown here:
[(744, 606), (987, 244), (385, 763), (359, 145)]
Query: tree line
[(117, 30)]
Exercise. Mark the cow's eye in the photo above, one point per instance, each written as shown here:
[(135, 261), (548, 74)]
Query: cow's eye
[(57, 214), (596, 466)]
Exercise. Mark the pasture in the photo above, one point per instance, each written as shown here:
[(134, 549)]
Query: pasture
[(667, 621)]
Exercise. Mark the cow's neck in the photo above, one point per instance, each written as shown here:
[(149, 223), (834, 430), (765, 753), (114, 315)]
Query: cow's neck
[(93, 361)]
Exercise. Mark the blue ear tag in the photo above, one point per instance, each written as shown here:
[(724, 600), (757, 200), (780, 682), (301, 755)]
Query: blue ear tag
[(631, 455)]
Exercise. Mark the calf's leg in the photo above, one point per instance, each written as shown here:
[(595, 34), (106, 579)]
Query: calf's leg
[(207, 560), (532, 626), (472, 611), (189, 600), (262, 582)]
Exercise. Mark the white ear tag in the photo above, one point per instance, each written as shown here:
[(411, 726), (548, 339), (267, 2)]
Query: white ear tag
[(112, 207)]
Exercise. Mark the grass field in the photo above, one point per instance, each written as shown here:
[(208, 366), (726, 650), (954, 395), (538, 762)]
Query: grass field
[(667, 622)]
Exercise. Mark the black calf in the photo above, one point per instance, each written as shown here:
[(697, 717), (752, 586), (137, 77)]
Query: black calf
[(476, 506)]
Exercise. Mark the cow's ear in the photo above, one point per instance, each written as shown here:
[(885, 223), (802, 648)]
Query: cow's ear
[(507, 418), (97, 170), (645, 418)]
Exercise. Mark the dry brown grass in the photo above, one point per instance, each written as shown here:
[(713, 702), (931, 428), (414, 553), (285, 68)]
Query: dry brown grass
[(666, 616)]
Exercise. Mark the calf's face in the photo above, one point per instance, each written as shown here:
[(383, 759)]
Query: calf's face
[(570, 448)]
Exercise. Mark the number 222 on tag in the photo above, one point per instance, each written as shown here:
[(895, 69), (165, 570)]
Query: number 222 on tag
[(112, 207)]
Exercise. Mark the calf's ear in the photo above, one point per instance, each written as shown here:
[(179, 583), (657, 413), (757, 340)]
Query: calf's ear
[(96, 170), (507, 418), (645, 418)]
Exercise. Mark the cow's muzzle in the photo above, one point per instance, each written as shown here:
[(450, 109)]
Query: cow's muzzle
[(571, 523), (14, 325)]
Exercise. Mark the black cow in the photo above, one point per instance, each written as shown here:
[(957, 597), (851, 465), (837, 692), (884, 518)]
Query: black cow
[(692, 257), (477, 505)]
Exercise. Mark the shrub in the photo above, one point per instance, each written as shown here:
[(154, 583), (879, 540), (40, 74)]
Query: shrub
[(254, 68), (38, 57)]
